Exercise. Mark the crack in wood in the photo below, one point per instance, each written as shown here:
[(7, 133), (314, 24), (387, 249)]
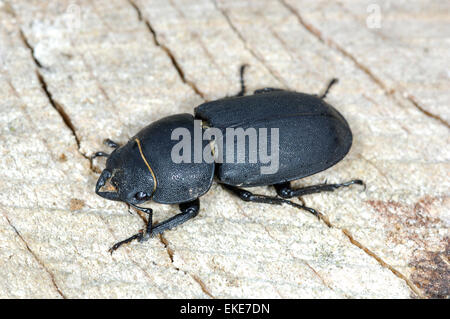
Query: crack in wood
[(205, 50), (333, 45), (38, 260), (412, 286), (166, 49), (366, 250), (321, 278), (356, 243), (170, 252), (413, 100), (58, 107), (55, 104), (28, 45), (247, 47), (67, 121), (202, 286), (316, 273)]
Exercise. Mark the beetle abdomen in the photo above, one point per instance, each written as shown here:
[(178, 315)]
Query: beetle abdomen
[(312, 136)]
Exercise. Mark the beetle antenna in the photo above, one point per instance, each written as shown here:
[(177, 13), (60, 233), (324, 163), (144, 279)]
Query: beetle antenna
[(330, 84)]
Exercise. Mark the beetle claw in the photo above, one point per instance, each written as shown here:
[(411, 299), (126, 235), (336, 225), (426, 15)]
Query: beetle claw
[(357, 181), (137, 236), (364, 185)]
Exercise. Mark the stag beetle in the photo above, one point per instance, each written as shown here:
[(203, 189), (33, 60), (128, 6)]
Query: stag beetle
[(307, 134)]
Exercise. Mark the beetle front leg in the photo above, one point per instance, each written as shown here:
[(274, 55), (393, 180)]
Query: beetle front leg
[(255, 198), (188, 210), (126, 241), (111, 143), (148, 229), (284, 189), (141, 235)]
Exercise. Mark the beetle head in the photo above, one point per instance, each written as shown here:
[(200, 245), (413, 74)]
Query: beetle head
[(128, 175)]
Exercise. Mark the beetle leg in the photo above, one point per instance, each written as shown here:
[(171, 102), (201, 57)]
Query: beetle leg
[(255, 198), (148, 229), (110, 143), (266, 90), (259, 91), (126, 241), (284, 189), (142, 209), (241, 72), (330, 84), (99, 154), (188, 210), (141, 235)]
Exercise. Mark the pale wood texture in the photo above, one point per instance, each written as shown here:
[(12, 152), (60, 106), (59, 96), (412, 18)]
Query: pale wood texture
[(76, 72)]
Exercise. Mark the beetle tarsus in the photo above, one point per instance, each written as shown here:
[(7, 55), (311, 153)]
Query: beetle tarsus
[(125, 241), (188, 210), (266, 90), (330, 84), (141, 237), (111, 143), (255, 198), (284, 189)]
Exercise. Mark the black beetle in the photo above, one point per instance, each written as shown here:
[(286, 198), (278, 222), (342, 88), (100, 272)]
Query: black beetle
[(312, 136)]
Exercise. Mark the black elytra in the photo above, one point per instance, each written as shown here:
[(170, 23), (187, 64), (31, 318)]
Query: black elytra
[(312, 136)]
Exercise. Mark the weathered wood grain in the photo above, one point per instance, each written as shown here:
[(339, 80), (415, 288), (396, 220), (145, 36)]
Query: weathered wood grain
[(76, 72)]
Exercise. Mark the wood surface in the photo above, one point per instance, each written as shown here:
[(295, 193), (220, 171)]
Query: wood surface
[(73, 73)]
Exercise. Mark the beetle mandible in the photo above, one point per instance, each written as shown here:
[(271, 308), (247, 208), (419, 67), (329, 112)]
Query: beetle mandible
[(312, 136)]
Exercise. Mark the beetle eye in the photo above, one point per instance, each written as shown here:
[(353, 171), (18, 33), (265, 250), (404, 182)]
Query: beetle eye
[(140, 196)]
